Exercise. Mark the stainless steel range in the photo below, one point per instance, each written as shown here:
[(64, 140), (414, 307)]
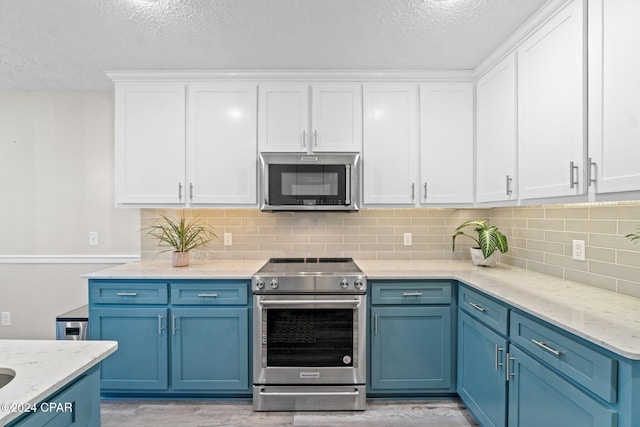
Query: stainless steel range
[(309, 335)]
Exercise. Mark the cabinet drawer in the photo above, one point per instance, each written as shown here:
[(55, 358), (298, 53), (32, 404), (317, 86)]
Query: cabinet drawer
[(485, 309), (128, 292), (583, 364), (411, 292), (218, 292)]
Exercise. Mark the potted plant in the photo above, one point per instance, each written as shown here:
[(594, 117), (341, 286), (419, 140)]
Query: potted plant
[(634, 236), (181, 236), (489, 239)]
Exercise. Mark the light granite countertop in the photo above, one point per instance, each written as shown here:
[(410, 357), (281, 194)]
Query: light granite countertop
[(43, 367), (199, 269), (608, 319)]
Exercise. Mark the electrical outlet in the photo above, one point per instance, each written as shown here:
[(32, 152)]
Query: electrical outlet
[(6, 318), (228, 239), (579, 250), (93, 238), (407, 239)]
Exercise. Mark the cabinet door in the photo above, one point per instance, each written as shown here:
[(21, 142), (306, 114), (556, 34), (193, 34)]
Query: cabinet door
[(210, 349), (222, 143), (283, 117), (141, 362), (410, 349), (390, 143), (551, 107), (336, 121), (539, 397), (150, 143), (614, 94), (446, 142), (482, 383), (496, 141)]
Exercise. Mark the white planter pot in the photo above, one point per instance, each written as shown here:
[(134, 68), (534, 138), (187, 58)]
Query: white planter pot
[(180, 259), (478, 258)]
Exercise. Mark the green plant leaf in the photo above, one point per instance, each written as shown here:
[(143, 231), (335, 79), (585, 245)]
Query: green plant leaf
[(489, 238), (180, 235)]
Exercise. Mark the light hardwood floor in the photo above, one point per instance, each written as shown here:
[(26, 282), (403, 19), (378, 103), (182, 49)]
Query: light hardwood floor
[(437, 413)]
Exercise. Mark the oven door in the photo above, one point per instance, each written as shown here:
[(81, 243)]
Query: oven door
[(309, 339)]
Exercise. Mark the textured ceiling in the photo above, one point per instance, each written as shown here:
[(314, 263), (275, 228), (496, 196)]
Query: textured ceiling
[(67, 44)]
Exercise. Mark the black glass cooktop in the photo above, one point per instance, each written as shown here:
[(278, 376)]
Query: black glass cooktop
[(309, 266)]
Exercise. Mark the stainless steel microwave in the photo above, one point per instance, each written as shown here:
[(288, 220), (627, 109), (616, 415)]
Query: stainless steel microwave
[(309, 182)]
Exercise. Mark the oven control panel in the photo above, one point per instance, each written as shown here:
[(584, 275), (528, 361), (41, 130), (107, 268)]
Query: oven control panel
[(309, 284)]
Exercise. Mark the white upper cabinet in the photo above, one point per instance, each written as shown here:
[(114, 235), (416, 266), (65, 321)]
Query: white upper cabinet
[(222, 145), (614, 95), (285, 110), (336, 117), (496, 138), (150, 143), (551, 107), (446, 143), (390, 143), (283, 117)]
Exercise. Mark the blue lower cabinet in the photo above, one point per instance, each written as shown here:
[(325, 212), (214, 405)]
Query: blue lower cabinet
[(540, 397), (77, 405), (141, 361), (209, 349), (411, 350), (177, 338), (481, 376)]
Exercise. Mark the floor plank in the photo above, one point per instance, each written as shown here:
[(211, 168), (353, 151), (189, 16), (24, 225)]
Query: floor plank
[(437, 413)]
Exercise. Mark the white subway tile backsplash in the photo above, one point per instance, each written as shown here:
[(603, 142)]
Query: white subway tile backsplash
[(539, 237)]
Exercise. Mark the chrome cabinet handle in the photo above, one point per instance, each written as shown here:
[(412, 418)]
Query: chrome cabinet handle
[(191, 191), (375, 325), (180, 191), (498, 351), (413, 191), (477, 307), (208, 295), (592, 172), (315, 138), (412, 294), (173, 324), (304, 138), (573, 178), (126, 294), (509, 180), (425, 190), (545, 347), (508, 370), (160, 328)]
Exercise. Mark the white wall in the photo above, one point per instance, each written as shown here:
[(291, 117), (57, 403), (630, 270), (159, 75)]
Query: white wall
[(56, 185)]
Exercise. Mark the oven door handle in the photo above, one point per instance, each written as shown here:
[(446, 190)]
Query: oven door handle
[(311, 393), (280, 303)]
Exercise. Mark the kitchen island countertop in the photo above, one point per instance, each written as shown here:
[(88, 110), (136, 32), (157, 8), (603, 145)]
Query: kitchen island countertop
[(42, 368), (608, 319)]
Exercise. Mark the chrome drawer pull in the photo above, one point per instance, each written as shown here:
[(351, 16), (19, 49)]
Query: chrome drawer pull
[(412, 294), (477, 307), (127, 294), (545, 347), (208, 295)]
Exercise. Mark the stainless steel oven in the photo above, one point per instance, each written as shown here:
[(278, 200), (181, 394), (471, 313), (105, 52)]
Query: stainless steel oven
[(309, 336)]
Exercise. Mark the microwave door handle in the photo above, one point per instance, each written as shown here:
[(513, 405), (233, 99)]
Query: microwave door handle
[(347, 192)]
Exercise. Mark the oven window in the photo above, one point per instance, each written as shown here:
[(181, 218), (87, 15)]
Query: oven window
[(310, 337), (309, 184)]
